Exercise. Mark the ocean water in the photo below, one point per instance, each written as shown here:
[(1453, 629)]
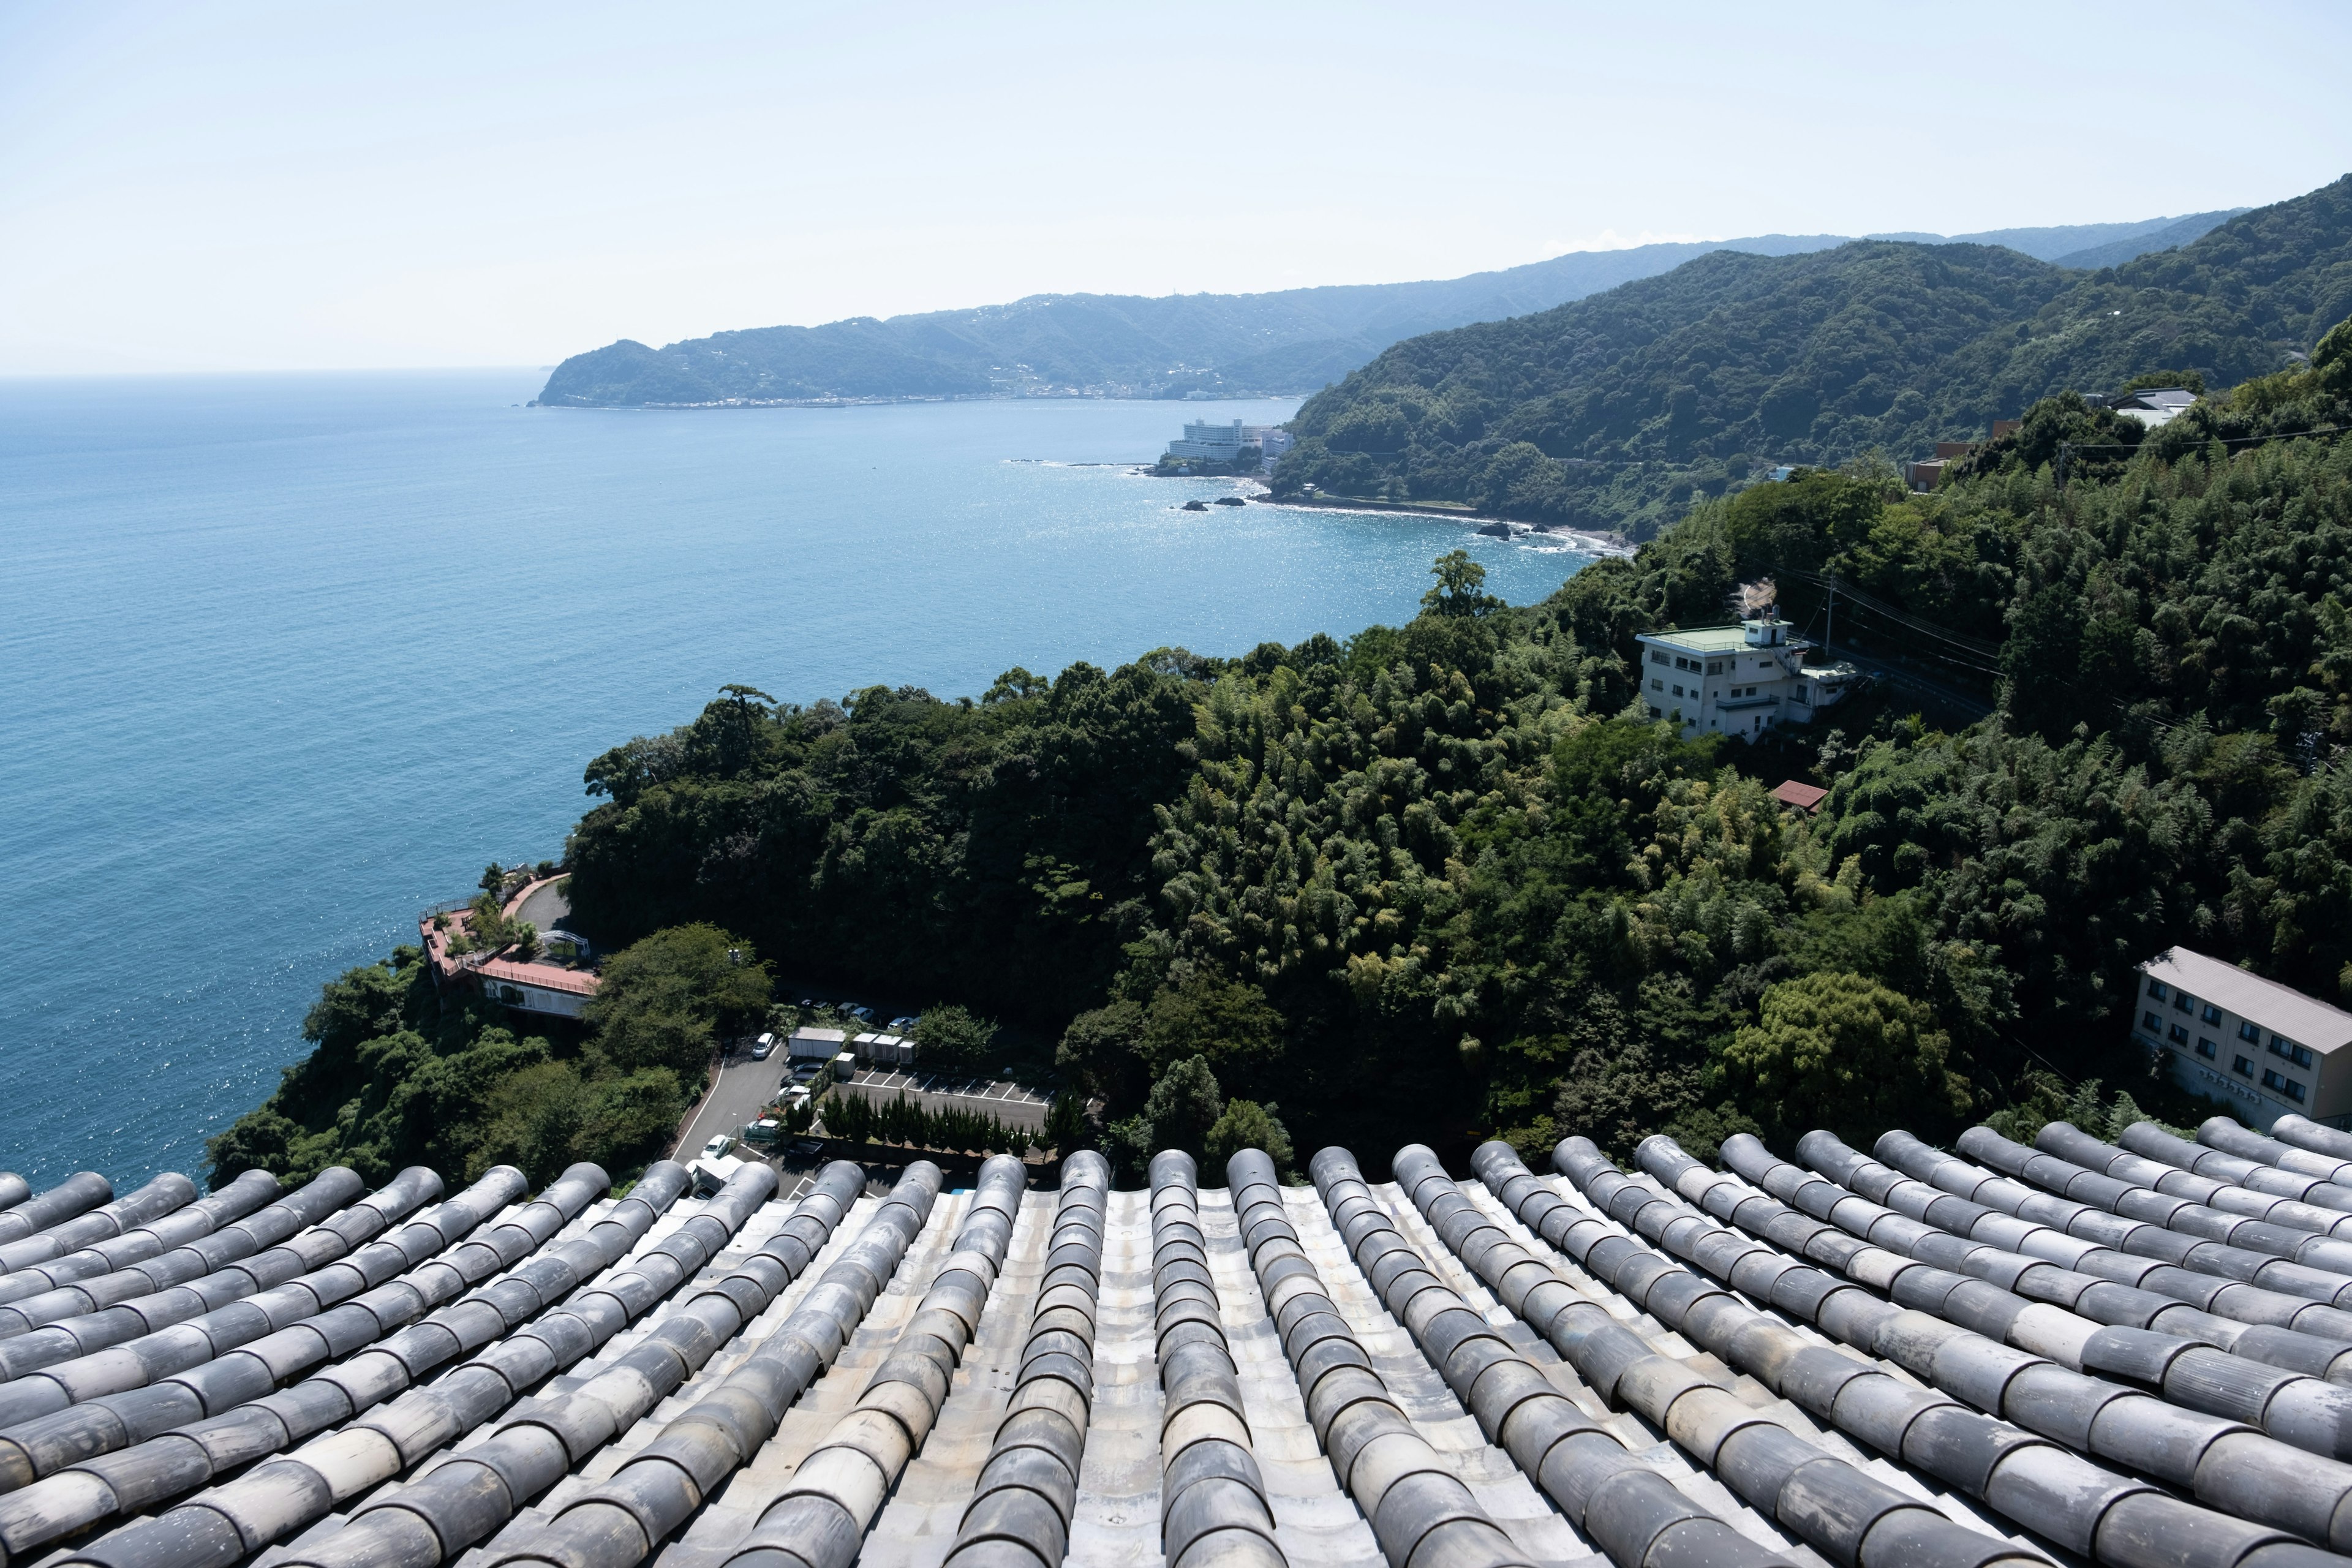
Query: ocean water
[(284, 659)]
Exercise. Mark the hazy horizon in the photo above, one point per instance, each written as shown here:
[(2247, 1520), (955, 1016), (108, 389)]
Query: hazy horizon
[(262, 186)]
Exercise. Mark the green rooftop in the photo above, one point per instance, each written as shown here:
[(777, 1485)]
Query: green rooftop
[(1705, 639)]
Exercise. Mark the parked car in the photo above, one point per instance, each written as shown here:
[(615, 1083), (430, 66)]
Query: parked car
[(716, 1147), (900, 1025), (762, 1047)]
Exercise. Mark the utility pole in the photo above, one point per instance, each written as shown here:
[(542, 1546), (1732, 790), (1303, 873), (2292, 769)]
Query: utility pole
[(1829, 636)]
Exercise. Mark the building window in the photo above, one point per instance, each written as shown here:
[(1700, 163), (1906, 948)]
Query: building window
[(1657, 686), (2154, 1025), (2179, 1035), (2283, 1085), (2156, 988), (1715, 667), (1655, 714), (2299, 1055), (2250, 1034), (1678, 690), (2242, 1067), (2212, 1013), (2207, 1048), (1657, 658), (2185, 1002)]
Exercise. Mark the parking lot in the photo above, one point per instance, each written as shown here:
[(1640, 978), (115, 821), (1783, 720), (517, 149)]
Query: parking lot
[(1009, 1102), (744, 1087)]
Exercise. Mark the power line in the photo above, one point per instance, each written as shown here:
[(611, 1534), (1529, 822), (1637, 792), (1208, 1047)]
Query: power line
[(2225, 441), (2067, 449), (1976, 646)]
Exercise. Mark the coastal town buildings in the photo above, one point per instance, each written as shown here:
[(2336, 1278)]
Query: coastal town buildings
[(1740, 680), (2266, 1048)]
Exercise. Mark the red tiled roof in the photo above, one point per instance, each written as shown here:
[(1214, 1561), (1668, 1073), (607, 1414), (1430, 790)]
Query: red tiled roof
[(553, 977), (1804, 796), (448, 966)]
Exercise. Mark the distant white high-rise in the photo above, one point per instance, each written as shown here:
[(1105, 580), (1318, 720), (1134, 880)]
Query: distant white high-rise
[(1208, 443), (1205, 442)]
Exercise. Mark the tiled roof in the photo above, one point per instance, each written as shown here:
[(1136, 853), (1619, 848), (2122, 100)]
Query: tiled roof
[(1804, 796), (550, 976), (2131, 1354), (448, 966)]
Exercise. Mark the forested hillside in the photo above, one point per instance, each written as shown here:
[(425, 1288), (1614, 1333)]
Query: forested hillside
[(1619, 410), (1444, 879), (1292, 341)]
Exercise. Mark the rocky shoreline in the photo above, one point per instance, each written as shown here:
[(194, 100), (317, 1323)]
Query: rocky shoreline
[(1497, 527)]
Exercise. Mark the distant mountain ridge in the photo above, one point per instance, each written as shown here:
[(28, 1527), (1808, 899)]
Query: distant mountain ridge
[(1289, 342), (1616, 410)]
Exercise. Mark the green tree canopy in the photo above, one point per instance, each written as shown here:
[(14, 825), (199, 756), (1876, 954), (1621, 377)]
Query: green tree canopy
[(1461, 587), (667, 1000), (1228, 1024), (1838, 1050), (1183, 1106), (947, 1036), (1246, 1124)]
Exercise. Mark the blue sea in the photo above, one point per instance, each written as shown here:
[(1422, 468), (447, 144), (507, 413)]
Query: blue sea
[(283, 659)]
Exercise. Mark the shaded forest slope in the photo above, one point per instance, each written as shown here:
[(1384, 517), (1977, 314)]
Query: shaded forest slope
[(1616, 411)]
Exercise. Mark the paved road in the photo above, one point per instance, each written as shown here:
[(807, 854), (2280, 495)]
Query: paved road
[(743, 1087), (546, 908), (1008, 1102)]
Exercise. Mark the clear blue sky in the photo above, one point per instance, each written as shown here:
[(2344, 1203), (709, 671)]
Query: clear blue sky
[(251, 184)]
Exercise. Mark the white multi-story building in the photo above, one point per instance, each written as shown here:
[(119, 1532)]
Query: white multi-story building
[(1271, 439), (2233, 1035), (1208, 443), (1739, 680)]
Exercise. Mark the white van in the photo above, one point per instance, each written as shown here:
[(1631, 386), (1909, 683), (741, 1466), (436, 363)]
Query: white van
[(763, 1047)]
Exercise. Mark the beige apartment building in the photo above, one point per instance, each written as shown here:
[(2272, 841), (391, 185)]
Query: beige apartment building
[(2264, 1046)]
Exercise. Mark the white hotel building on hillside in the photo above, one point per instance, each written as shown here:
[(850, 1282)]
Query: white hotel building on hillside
[(1737, 680)]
